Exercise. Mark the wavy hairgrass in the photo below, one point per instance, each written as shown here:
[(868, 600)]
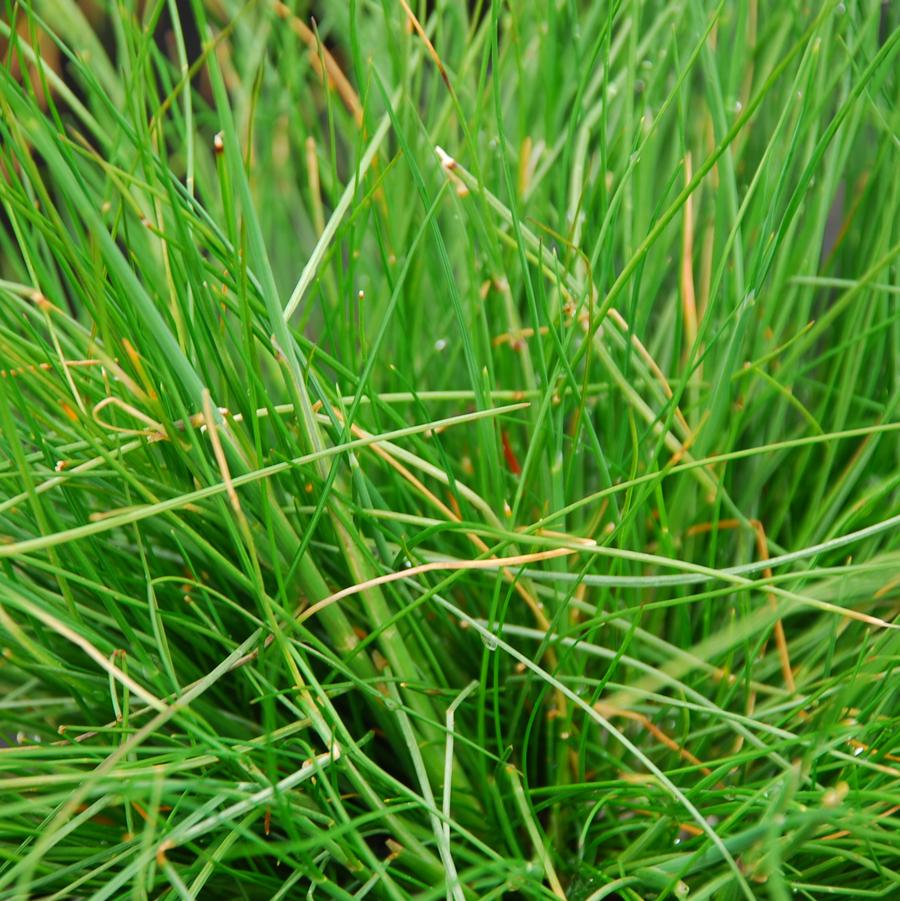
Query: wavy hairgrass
[(449, 453)]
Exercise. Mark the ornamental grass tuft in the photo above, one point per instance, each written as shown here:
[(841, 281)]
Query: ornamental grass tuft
[(449, 450)]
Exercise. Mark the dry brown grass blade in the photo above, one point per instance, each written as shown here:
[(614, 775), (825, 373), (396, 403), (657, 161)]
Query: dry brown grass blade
[(417, 26), (762, 548), (609, 711), (688, 297), (332, 70), (434, 566)]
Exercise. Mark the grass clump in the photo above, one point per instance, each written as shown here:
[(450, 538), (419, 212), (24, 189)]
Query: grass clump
[(449, 451)]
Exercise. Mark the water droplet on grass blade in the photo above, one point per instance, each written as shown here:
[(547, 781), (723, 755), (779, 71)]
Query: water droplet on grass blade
[(489, 641)]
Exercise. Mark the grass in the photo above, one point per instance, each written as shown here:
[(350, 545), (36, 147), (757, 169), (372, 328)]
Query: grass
[(449, 450)]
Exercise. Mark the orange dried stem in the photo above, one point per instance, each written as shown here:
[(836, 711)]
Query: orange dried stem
[(608, 711), (688, 297), (335, 76), (762, 547)]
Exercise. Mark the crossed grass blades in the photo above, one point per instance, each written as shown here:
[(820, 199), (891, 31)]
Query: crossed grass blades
[(448, 450)]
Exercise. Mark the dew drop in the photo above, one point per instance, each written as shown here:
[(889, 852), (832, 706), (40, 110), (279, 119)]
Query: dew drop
[(489, 641)]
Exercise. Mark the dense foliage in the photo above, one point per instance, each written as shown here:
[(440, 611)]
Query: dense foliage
[(449, 450)]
